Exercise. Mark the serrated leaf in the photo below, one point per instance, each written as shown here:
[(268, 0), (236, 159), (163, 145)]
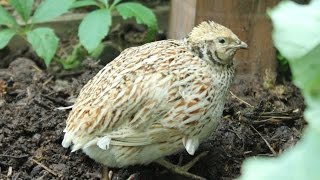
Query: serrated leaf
[(142, 14), (84, 3), (23, 7), (5, 37), (6, 18), (50, 9), (44, 42), (287, 37), (94, 27)]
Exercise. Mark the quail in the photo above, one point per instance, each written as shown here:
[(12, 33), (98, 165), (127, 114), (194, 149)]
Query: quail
[(155, 100)]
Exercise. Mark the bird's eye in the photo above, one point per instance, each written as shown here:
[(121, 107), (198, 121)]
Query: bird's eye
[(222, 40)]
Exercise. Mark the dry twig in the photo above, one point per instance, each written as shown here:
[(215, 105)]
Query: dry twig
[(16, 157), (241, 100), (48, 80), (267, 143), (272, 117), (45, 167)]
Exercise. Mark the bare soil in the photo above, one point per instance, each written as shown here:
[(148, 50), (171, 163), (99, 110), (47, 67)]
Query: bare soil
[(257, 121)]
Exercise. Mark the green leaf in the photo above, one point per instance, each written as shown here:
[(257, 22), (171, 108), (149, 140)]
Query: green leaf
[(73, 60), (290, 35), (69, 63), (98, 51), (44, 42), (142, 14), (7, 19), (299, 163), (94, 27), (312, 114), (23, 7), (297, 38), (50, 9), (5, 37), (84, 3), (306, 72)]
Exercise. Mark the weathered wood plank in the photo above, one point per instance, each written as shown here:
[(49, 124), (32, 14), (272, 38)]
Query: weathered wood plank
[(182, 18)]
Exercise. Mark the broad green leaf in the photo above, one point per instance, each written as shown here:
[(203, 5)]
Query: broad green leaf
[(142, 14), (312, 114), (300, 163), (44, 42), (298, 39), (306, 72), (296, 36), (50, 9), (23, 7), (6, 18), (5, 37), (94, 27)]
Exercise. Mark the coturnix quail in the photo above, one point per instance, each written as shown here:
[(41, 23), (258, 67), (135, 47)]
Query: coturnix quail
[(155, 100)]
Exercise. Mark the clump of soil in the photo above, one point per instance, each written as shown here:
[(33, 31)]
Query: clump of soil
[(257, 122)]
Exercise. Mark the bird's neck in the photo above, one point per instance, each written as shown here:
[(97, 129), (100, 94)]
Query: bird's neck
[(224, 72)]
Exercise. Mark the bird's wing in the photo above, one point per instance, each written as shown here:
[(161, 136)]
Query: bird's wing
[(176, 111), (126, 97)]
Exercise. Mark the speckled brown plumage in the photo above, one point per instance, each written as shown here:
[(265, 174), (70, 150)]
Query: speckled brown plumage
[(156, 99)]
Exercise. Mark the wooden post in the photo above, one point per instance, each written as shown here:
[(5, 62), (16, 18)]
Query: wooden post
[(246, 18)]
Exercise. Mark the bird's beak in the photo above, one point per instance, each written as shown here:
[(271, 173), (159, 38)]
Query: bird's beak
[(243, 45)]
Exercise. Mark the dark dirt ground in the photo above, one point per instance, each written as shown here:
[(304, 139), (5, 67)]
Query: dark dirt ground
[(258, 121)]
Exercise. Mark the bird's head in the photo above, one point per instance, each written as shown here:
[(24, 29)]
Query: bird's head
[(214, 42)]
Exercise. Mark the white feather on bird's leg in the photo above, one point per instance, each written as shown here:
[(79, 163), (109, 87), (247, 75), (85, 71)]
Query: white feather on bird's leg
[(104, 142), (191, 144)]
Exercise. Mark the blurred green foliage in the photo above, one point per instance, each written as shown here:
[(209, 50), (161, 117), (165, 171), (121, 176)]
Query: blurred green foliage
[(92, 30), (95, 26), (297, 36), (43, 40)]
